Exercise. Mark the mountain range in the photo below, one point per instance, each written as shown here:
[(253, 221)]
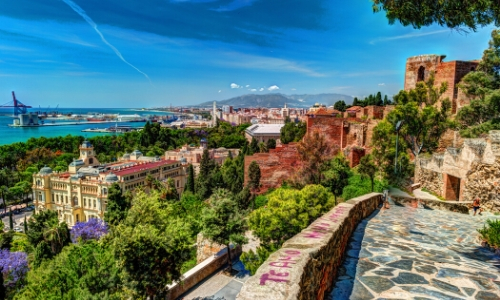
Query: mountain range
[(279, 100)]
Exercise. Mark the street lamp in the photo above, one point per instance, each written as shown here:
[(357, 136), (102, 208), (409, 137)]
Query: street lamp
[(398, 127)]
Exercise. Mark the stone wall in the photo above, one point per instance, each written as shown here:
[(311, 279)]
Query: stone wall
[(276, 166), (200, 272), (205, 248), (459, 207), (306, 265), (474, 167)]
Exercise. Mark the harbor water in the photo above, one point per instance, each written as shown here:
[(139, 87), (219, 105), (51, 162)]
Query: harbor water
[(9, 135)]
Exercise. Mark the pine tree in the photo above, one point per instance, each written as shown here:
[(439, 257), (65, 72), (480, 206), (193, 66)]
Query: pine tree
[(254, 176), (25, 225), (190, 180), (254, 146), (355, 102), (11, 222), (367, 168), (386, 101), (378, 99)]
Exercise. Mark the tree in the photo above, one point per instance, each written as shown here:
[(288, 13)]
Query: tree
[(292, 132), (170, 190), (287, 212), (254, 176), (378, 99), (386, 101), (151, 244), (93, 229), (231, 175), (223, 223), (313, 152), (2, 287), (336, 176), (254, 146), (118, 206), (190, 180), (11, 222), (271, 144), (340, 105), (483, 87), (423, 122), (80, 271), (355, 102), (452, 14), (47, 235), (25, 225), (367, 168)]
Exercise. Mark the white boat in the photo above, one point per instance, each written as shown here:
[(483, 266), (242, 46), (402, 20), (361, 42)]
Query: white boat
[(130, 118)]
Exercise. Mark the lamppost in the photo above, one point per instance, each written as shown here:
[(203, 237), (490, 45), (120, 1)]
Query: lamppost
[(398, 127)]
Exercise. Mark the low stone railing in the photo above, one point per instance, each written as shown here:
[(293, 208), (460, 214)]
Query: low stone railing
[(306, 265), (453, 206)]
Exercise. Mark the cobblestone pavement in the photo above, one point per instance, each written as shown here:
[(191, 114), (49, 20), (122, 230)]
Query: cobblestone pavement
[(408, 253)]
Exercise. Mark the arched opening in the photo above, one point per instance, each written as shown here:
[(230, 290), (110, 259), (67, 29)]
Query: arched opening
[(421, 74), (77, 218), (75, 200)]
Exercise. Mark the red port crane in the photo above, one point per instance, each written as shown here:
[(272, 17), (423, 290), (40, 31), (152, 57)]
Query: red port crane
[(19, 107)]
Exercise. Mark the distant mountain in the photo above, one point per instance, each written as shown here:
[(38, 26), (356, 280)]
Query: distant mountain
[(279, 100)]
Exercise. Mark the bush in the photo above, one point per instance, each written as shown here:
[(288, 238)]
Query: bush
[(253, 260), (359, 185), (491, 233), (260, 201)]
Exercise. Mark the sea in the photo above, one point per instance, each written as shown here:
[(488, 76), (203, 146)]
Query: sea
[(9, 135)]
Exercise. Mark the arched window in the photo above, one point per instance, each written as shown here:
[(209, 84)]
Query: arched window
[(77, 218), (421, 74), (105, 191), (75, 200), (94, 204)]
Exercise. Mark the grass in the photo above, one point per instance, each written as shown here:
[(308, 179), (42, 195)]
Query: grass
[(433, 194)]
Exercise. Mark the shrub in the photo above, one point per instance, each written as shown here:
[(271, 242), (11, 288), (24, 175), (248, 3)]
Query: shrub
[(491, 233), (359, 185)]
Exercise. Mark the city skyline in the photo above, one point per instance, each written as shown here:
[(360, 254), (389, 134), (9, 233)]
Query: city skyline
[(120, 54)]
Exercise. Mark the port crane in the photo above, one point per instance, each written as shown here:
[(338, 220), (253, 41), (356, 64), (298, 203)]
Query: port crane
[(19, 107)]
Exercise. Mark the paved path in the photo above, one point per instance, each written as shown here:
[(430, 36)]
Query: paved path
[(408, 253)]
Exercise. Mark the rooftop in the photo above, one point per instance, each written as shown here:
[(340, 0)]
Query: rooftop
[(144, 166), (265, 128)]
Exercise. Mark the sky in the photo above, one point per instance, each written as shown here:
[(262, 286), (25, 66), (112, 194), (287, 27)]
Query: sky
[(123, 53)]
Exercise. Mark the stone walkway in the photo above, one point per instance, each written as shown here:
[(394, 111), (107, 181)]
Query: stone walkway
[(409, 253)]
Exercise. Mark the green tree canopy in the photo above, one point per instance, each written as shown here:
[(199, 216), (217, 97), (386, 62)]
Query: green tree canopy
[(222, 221), (336, 175), (340, 105), (288, 211), (151, 244), (117, 207), (254, 176), (452, 14), (367, 168)]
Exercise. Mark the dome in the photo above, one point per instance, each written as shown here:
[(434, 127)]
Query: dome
[(137, 152), (45, 171), (111, 178), (86, 144)]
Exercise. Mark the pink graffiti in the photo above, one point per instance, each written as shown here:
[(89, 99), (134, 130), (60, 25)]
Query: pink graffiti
[(280, 264), (292, 252), (313, 235), (267, 276)]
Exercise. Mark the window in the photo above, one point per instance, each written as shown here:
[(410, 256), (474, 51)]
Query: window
[(105, 191), (75, 200), (77, 218), (84, 201), (421, 74), (91, 160), (66, 199), (94, 204)]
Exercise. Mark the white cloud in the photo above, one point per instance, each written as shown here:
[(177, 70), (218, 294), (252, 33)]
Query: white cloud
[(380, 84), (220, 91), (261, 89), (235, 86), (254, 62), (252, 90), (273, 88), (407, 36), (293, 89), (247, 85)]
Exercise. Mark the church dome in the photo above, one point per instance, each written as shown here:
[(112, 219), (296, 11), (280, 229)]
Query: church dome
[(111, 178), (45, 171)]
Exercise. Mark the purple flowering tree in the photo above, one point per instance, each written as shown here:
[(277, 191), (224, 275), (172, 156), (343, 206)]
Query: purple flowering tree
[(14, 267), (93, 229)]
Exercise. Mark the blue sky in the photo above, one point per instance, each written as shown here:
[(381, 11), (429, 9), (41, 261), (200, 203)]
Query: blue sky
[(181, 52)]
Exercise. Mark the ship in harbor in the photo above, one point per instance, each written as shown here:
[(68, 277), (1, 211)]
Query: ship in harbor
[(131, 118)]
